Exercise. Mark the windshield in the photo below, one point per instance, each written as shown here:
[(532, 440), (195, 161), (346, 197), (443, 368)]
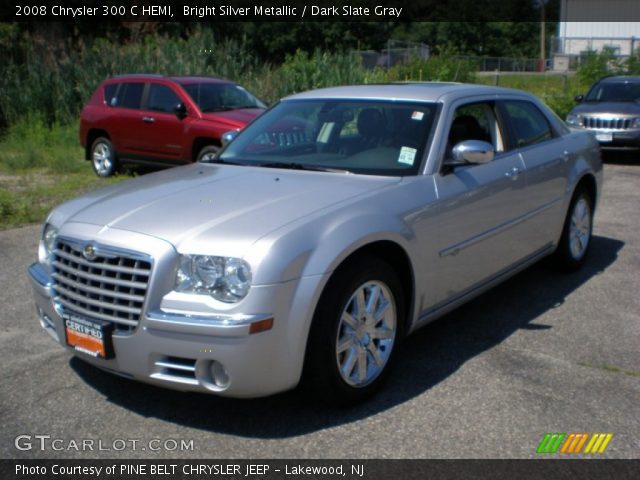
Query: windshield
[(218, 97), (615, 92), (359, 136)]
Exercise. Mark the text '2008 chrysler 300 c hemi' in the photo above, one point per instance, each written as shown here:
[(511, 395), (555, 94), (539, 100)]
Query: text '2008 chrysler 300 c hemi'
[(335, 224)]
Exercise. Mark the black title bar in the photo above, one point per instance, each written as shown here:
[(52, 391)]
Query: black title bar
[(318, 469), (312, 10)]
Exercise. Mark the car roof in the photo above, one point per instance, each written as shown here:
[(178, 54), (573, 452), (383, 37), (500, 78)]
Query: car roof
[(183, 79), (187, 79), (417, 91), (620, 78)]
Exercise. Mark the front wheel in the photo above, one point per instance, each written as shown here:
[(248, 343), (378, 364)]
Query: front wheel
[(355, 332), (207, 153), (103, 158), (576, 234)]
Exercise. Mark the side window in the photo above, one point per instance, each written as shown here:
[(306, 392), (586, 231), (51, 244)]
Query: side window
[(110, 94), (162, 99), (129, 95), (528, 124), (475, 121)]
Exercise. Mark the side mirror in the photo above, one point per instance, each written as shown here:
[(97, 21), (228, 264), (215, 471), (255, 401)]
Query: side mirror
[(472, 152), (228, 136), (578, 98), (180, 110)]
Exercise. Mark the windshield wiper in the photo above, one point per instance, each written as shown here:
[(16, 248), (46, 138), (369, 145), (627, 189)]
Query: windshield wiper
[(226, 162), (221, 108), (226, 108), (301, 166)]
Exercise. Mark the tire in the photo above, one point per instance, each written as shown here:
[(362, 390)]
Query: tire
[(207, 153), (103, 158), (347, 358), (576, 234)]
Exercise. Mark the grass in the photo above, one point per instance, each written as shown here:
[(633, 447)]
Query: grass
[(40, 168)]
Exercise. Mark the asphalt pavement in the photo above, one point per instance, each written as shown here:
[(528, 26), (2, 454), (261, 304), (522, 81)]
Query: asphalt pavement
[(544, 352)]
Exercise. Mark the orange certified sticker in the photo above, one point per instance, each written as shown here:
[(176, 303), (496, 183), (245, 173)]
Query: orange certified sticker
[(89, 336), (86, 343)]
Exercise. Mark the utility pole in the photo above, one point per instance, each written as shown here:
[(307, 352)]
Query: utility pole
[(541, 67)]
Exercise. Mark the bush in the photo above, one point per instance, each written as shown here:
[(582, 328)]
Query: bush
[(302, 71), (54, 81), (598, 65), (437, 68), (633, 64), (561, 103)]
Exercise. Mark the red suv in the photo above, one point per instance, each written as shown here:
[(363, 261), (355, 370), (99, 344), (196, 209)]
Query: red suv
[(160, 120)]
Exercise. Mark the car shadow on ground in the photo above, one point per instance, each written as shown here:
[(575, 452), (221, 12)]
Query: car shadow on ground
[(427, 358), (621, 157)]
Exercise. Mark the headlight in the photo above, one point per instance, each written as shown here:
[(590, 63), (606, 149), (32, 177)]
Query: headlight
[(635, 123), (224, 278), (49, 236), (574, 120)]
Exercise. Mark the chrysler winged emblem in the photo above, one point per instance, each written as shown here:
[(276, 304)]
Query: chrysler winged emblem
[(89, 252)]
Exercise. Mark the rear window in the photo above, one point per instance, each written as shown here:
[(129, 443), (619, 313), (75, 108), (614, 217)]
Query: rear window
[(110, 93), (129, 95)]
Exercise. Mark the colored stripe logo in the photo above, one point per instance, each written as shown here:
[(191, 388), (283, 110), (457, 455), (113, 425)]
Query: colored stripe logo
[(574, 443)]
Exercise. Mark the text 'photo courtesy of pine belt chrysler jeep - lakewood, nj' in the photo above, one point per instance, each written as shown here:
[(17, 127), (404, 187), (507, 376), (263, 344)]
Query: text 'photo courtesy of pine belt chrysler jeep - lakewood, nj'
[(332, 226)]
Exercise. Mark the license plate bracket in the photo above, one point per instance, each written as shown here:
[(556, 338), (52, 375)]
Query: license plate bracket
[(89, 336), (604, 137)]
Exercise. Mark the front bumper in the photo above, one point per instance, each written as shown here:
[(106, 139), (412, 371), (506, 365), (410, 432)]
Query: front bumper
[(184, 352), (616, 139)]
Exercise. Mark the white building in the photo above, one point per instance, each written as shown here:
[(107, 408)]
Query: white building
[(591, 25)]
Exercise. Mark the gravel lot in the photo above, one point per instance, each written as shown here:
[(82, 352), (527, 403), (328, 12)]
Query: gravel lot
[(544, 352)]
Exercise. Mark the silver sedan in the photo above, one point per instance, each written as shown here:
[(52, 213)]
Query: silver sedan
[(337, 223)]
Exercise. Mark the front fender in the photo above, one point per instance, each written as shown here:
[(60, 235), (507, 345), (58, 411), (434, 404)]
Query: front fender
[(318, 246)]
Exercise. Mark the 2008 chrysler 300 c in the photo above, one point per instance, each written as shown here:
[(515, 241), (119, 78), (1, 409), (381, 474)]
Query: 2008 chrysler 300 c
[(335, 224)]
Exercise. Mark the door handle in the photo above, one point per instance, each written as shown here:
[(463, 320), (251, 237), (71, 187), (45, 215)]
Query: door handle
[(513, 173), (148, 119), (566, 156)]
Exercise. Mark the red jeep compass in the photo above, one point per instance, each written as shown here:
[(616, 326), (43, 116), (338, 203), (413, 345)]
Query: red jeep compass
[(161, 120)]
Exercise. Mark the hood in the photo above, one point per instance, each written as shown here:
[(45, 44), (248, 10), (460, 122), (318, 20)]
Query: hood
[(625, 108), (234, 206), (234, 118)]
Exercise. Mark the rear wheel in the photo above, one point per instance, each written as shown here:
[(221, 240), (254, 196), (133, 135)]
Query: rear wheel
[(355, 332), (576, 233), (103, 158)]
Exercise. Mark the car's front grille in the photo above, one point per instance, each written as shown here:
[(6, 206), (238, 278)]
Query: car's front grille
[(607, 123), (109, 285)]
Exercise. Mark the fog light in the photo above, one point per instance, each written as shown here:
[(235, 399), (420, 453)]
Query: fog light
[(219, 375)]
